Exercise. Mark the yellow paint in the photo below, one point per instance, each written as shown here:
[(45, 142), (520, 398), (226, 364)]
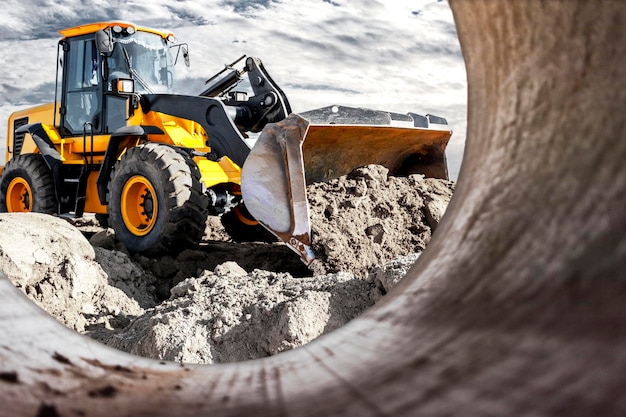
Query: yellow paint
[(19, 196), (223, 171), (94, 27), (100, 143), (136, 194), (39, 114), (70, 149), (92, 202), (178, 131), (28, 146), (183, 135), (232, 170)]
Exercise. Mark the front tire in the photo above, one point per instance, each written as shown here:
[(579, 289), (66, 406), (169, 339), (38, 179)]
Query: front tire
[(27, 186), (156, 200)]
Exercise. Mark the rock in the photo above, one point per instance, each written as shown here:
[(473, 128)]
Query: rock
[(388, 275), (184, 288), (103, 239), (127, 276), (54, 265), (437, 196), (32, 244), (230, 269), (300, 321)]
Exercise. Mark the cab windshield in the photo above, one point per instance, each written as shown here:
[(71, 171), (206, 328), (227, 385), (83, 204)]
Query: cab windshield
[(146, 58)]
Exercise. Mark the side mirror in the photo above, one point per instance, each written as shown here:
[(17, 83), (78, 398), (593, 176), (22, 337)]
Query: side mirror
[(186, 55), (182, 47), (104, 42)]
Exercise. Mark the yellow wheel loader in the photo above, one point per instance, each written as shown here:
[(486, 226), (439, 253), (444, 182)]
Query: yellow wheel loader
[(153, 165)]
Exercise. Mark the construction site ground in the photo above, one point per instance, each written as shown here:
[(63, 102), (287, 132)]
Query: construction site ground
[(226, 301)]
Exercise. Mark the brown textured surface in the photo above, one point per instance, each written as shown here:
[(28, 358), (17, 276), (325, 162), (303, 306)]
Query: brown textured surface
[(515, 308), (368, 218)]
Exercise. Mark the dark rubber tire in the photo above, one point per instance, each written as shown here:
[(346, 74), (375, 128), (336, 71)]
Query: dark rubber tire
[(241, 226), (27, 186), (164, 182)]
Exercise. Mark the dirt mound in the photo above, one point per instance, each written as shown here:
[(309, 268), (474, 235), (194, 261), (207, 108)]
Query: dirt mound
[(230, 315), (368, 218), (55, 266), (227, 301)]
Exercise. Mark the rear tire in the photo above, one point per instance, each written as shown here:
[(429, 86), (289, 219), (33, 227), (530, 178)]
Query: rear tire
[(27, 186), (156, 200), (242, 227)]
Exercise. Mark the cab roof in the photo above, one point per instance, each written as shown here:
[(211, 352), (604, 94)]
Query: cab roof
[(94, 27)]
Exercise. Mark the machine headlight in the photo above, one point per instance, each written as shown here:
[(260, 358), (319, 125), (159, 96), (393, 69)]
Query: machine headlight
[(119, 30), (125, 86)]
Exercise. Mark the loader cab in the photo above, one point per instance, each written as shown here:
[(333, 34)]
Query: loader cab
[(103, 67), (81, 97)]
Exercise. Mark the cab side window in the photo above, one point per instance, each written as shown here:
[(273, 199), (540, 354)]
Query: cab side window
[(82, 95)]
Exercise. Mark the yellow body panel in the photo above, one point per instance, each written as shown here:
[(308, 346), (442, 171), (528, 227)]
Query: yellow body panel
[(179, 132), (92, 202), (42, 113), (222, 171), (76, 146), (71, 149), (39, 114), (29, 145)]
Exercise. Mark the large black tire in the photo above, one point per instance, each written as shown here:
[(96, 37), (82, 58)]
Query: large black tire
[(156, 200), (27, 186), (242, 227)]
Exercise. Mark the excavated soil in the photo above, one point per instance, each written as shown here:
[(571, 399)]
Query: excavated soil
[(226, 301), (368, 218)]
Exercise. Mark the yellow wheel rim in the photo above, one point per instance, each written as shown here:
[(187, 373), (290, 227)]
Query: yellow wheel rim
[(139, 205), (19, 196)]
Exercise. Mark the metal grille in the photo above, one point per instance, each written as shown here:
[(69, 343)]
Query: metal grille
[(18, 138)]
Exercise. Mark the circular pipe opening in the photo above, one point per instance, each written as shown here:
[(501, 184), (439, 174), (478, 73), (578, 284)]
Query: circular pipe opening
[(515, 308)]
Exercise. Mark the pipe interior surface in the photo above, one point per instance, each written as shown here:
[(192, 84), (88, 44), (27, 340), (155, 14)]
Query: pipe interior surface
[(515, 308)]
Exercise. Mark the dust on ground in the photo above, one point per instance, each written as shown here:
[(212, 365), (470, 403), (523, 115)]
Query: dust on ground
[(226, 301)]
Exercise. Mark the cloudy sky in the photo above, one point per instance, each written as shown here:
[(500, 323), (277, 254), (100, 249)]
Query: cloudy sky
[(400, 56)]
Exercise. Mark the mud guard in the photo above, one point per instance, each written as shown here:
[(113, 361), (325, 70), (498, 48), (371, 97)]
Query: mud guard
[(43, 142), (50, 154)]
